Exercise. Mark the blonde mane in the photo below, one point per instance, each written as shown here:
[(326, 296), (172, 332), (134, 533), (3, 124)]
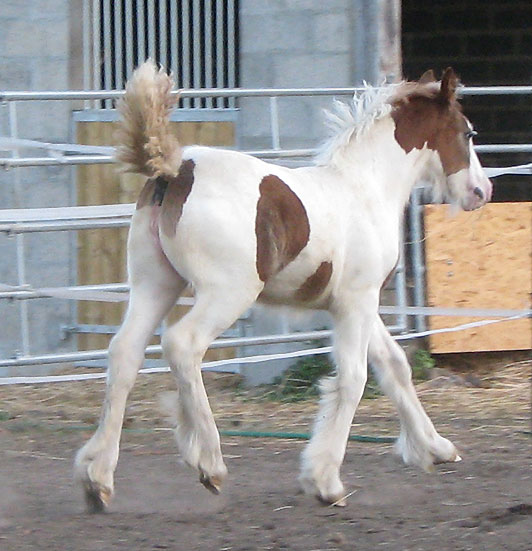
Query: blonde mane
[(348, 121)]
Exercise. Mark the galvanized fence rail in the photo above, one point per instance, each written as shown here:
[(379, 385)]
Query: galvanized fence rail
[(17, 222)]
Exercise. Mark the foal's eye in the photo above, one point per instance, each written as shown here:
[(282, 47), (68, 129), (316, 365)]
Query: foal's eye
[(470, 134)]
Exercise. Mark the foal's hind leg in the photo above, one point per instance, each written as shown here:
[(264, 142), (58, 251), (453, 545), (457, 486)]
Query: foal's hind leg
[(184, 346), (155, 287), (418, 443)]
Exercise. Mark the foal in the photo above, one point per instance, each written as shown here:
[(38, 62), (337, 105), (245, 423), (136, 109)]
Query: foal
[(238, 230)]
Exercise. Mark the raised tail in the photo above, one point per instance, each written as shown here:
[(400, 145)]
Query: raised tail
[(146, 145)]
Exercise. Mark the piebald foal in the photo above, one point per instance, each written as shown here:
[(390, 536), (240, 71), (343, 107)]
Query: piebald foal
[(238, 230)]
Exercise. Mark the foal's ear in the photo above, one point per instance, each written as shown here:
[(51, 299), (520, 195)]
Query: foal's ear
[(427, 77), (449, 84)]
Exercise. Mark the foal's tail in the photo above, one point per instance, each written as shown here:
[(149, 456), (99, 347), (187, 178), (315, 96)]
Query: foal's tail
[(146, 144)]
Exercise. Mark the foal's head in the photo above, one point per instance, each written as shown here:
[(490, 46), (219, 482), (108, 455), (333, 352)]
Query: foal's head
[(427, 113)]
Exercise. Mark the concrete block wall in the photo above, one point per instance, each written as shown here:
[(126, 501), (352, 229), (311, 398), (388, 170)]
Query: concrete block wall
[(285, 43), (34, 53), (487, 43)]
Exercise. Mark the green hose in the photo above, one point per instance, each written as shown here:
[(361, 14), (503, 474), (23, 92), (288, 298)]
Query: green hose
[(303, 436), (239, 433)]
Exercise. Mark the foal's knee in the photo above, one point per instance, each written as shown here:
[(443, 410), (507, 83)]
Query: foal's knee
[(183, 348), (347, 386)]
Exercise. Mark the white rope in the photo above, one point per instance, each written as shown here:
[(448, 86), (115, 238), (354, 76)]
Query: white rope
[(10, 144), (68, 293), (493, 172), (244, 360), (53, 214)]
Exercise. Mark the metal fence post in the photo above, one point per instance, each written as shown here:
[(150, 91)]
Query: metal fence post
[(19, 238), (418, 267)]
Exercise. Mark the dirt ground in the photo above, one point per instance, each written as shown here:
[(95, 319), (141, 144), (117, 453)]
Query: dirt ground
[(481, 503)]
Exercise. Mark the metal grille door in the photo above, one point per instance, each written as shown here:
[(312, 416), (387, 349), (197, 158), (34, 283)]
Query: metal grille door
[(196, 39)]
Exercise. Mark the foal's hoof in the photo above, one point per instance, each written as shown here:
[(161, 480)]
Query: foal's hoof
[(331, 501), (454, 459), (331, 492), (97, 497), (213, 483)]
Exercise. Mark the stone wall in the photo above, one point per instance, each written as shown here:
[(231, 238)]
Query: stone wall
[(283, 43), (34, 53), (303, 43)]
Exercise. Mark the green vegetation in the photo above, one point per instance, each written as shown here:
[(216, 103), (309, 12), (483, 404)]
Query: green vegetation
[(422, 364), (301, 381)]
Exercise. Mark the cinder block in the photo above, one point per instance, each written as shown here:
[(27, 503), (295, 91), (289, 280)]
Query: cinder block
[(317, 6), (256, 70), (14, 75), (295, 116), (50, 9), (15, 8), (280, 32), (10, 342), (331, 32), (51, 74), (254, 120), (260, 7), (55, 34), (23, 38), (44, 122), (312, 70)]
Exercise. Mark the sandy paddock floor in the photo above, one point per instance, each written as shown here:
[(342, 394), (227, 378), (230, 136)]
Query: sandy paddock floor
[(482, 503)]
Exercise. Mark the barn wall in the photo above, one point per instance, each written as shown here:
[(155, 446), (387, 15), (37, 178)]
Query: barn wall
[(307, 43), (34, 52)]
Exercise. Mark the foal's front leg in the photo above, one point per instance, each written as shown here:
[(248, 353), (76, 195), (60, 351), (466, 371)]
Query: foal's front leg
[(340, 395), (418, 443)]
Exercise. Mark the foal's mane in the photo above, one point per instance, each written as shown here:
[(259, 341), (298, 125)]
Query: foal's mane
[(348, 121)]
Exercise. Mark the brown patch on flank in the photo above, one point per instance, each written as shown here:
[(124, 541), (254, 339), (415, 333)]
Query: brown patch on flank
[(146, 194), (175, 196), (282, 227), (315, 284)]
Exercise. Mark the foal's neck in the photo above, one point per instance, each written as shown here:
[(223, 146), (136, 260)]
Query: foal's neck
[(383, 167)]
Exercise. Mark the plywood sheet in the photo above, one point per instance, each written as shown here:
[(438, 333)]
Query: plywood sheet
[(102, 252), (480, 259)]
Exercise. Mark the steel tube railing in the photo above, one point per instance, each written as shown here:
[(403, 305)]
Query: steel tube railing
[(68, 160), (21, 293), (157, 349), (34, 227), (238, 93), (10, 97)]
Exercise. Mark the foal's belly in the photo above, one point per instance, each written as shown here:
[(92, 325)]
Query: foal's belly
[(300, 284)]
